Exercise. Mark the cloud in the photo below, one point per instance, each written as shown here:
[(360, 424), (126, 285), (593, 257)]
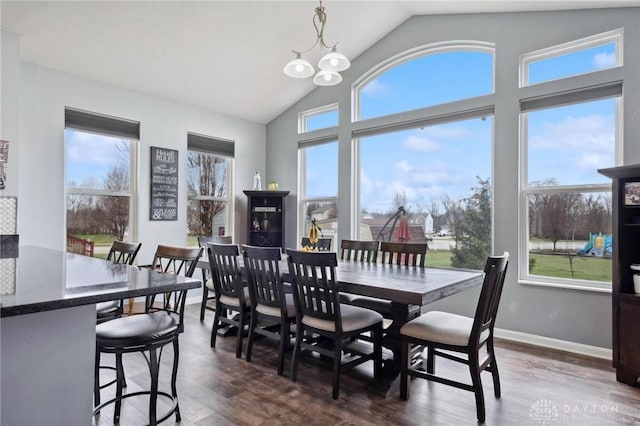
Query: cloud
[(591, 161), (604, 60), (586, 133), (404, 166), (87, 148), (366, 185), (376, 89), (421, 144)]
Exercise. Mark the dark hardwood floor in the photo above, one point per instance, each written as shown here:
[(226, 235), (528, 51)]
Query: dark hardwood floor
[(539, 387)]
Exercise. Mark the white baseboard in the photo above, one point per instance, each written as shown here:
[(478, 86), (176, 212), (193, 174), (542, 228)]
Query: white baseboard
[(548, 342)]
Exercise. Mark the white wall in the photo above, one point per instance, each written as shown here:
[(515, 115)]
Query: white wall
[(44, 95), (570, 315)]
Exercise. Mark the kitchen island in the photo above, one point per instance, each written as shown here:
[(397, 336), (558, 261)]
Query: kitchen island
[(47, 330)]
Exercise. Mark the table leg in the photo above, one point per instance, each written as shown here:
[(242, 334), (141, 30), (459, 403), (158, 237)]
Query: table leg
[(388, 381)]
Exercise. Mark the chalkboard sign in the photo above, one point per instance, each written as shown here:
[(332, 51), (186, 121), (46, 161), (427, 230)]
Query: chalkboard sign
[(164, 184)]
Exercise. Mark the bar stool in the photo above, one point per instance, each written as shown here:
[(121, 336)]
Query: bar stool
[(120, 252), (148, 332)]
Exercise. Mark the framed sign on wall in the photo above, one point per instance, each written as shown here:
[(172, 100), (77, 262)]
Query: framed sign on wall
[(164, 184)]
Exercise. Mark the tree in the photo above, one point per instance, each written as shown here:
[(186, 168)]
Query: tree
[(471, 223), (399, 200), (558, 216), (206, 180), (115, 209), (597, 213)]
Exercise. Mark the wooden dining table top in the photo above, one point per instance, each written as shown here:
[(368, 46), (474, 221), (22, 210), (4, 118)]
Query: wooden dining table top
[(400, 284)]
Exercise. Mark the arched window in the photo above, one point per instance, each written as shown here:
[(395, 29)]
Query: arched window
[(434, 163), (423, 77)]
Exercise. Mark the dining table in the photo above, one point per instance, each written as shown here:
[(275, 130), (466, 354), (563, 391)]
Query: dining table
[(407, 288), (48, 317)]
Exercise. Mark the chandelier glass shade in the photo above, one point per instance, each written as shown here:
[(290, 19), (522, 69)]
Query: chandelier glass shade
[(330, 63)]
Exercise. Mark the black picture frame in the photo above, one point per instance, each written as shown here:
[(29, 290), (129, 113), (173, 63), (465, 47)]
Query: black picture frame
[(632, 194), (164, 184)]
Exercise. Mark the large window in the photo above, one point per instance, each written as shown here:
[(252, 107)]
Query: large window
[(319, 188), (101, 158), (428, 76), (209, 171), (441, 176), (437, 168), (566, 202)]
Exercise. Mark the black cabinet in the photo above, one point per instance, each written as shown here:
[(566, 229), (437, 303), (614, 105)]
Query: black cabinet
[(625, 263), (266, 218)]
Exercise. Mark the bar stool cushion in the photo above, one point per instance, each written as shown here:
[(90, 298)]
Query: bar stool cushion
[(107, 308), (136, 330)]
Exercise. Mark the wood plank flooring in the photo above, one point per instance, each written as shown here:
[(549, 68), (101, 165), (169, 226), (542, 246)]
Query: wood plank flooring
[(539, 387)]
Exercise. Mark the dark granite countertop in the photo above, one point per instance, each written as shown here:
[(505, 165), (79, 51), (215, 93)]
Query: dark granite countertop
[(42, 279)]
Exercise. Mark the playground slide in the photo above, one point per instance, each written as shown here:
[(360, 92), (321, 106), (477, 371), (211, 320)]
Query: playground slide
[(597, 245), (587, 247)]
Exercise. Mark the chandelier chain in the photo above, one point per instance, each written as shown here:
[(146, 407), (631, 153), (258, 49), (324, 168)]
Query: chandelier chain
[(321, 18)]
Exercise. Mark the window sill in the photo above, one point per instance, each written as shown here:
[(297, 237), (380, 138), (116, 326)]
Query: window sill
[(595, 288)]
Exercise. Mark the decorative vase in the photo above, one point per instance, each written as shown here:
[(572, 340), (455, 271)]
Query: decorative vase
[(273, 186)]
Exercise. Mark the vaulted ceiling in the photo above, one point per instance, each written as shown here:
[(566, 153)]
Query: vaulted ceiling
[(226, 56)]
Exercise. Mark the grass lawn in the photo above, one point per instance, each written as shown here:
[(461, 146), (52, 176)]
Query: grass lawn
[(438, 258), (586, 268), (98, 239)]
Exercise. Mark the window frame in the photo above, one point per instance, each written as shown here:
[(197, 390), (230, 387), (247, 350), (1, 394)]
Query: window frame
[(574, 46), (229, 156), (302, 173), (409, 55), (132, 194), (525, 190), (305, 115)]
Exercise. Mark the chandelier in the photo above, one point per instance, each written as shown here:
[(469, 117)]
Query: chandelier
[(330, 64)]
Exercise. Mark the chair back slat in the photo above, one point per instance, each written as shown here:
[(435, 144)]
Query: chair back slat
[(265, 281), (362, 251), (495, 270), (315, 286), (216, 239), (121, 252), (323, 244), (176, 260), (407, 254), (226, 274), (173, 261)]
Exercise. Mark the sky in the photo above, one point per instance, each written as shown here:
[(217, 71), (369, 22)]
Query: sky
[(429, 164), (432, 163)]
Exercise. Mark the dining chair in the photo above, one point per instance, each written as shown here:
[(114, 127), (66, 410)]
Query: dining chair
[(445, 334), (207, 282), (362, 251), (147, 333), (407, 254), (272, 308), (357, 251), (321, 317), (231, 293), (323, 244), (400, 254), (120, 252)]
